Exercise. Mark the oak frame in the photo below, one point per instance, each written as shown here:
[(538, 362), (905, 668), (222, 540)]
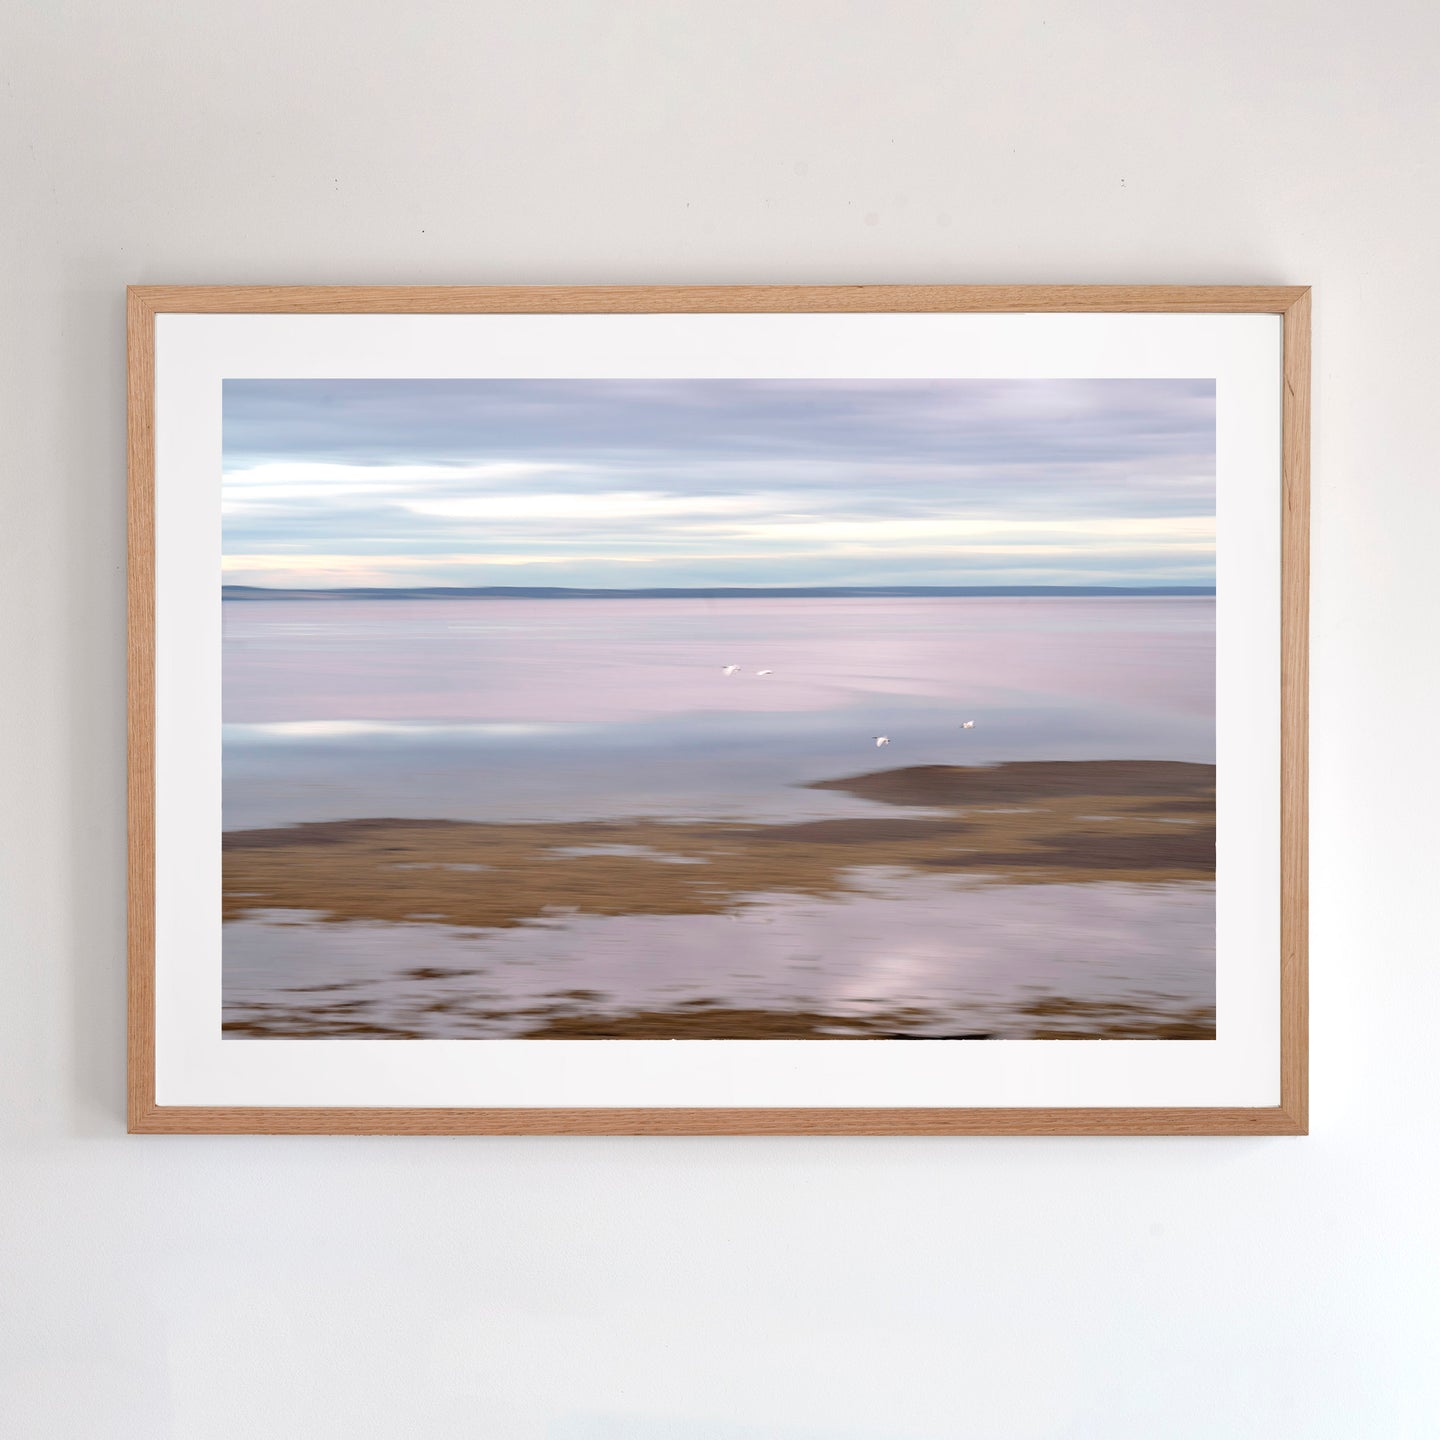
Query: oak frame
[(1289, 1117)]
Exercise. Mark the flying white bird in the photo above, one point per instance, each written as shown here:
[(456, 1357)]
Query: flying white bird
[(764, 672), (731, 669), (968, 725), (881, 740)]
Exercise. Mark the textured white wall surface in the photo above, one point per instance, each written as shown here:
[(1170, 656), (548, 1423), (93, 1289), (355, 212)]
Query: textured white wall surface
[(213, 1289)]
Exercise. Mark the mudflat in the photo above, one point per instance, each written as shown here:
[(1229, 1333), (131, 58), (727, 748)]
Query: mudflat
[(1145, 824), (1021, 823)]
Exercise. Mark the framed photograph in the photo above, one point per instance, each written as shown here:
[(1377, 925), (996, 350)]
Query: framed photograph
[(838, 710)]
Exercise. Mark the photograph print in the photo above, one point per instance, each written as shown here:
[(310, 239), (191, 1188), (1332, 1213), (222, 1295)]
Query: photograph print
[(708, 709)]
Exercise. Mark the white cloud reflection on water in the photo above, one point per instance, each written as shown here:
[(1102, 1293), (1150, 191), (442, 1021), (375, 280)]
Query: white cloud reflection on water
[(572, 661), (559, 709), (552, 710), (969, 953)]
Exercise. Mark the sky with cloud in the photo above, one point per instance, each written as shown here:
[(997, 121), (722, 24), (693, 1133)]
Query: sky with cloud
[(641, 483)]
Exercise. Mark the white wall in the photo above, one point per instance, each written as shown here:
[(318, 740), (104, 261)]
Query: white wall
[(213, 1289)]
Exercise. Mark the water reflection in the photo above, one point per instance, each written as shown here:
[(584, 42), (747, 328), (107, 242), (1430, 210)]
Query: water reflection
[(560, 709), (923, 955)]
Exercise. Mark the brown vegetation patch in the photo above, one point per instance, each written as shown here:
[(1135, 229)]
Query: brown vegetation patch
[(950, 785), (1063, 1018), (697, 1023), (854, 832), (1100, 850), (1055, 1018)]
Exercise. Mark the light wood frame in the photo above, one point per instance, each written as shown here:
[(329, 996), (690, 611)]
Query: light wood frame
[(1290, 1117)]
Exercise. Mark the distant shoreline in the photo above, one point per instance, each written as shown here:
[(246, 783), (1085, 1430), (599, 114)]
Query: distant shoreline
[(714, 592)]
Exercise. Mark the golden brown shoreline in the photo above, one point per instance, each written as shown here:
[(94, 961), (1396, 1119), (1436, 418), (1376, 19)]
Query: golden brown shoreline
[(1041, 822)]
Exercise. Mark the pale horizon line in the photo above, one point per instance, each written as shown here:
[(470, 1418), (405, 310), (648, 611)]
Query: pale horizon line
[(769, 591)]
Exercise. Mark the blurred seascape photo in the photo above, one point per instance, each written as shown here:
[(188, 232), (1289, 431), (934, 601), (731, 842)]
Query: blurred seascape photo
[(719, 709)]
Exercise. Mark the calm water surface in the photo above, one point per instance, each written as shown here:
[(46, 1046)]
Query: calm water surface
[(591, 709), (970, 955)]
